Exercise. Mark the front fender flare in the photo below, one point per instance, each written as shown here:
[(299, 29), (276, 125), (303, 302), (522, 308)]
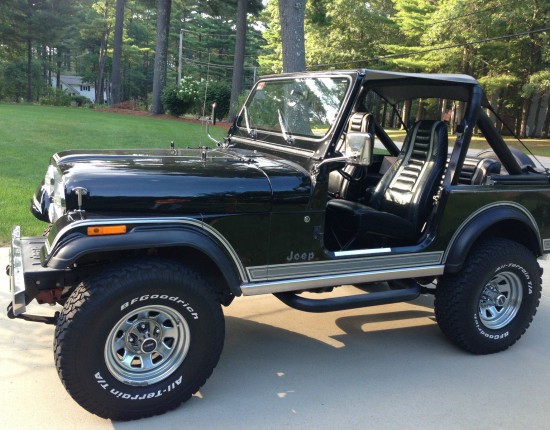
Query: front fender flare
[(71, 251), (480, 222)]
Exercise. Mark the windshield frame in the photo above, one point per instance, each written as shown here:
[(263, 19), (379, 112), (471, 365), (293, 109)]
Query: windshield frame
[(287, 141)]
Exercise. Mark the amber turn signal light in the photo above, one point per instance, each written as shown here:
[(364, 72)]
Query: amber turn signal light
[(105, 230)]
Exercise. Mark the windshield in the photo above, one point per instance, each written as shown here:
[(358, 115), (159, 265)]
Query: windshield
[(301, 107)]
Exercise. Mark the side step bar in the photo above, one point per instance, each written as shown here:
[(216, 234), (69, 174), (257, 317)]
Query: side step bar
[(350, 302), (32, 318)]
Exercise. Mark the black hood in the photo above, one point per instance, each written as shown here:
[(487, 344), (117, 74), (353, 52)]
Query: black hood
[(188, 181)]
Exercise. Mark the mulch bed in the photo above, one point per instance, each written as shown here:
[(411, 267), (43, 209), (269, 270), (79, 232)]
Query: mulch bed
[(135, 112)]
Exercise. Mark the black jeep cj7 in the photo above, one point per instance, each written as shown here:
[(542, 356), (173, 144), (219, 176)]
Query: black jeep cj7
[(307, 192)]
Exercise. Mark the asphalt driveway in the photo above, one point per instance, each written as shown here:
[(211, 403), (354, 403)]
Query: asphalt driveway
[(384, 367)]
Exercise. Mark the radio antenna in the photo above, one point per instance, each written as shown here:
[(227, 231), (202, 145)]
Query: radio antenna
[(205, 94)]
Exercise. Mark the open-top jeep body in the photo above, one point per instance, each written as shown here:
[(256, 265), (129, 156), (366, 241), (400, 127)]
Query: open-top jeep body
[(307, 192)]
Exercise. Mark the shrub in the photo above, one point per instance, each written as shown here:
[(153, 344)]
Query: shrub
[(56, 97), (189, 97), (219, 92), (181, 99), (80, 101)]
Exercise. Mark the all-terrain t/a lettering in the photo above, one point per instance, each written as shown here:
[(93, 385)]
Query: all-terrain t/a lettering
[(127, 396)]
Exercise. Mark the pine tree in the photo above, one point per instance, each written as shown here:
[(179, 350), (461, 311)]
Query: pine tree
[(161, 54)]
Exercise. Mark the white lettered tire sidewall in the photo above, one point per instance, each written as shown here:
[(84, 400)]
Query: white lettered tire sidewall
[(85, 340), (489, 304)]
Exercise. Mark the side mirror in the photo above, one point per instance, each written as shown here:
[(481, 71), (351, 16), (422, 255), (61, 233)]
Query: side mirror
[(360, 147), (359, 152)]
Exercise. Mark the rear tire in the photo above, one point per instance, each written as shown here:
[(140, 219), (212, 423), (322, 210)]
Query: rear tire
[(490, 303), (138, 339)]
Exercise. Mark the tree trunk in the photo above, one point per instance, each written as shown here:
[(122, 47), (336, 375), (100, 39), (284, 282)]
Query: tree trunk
[(459, 114), (546, 128), (442, 108), (421, 110), (145, 80), (116, 73), (393, 118), (161, 55), (493, 101), (376, 109), (518, 122), (58, 70), (543, 108), (45, 64), (99, 98), (291, 15), (67, 59), (466, 55), (524, 114), (531, 118), (238, 59), (406, 113), (29, 70), (99, 87), (50, 65)]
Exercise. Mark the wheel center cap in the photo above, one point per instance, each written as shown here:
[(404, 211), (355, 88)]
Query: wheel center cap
[(149, 345), (500, 300)]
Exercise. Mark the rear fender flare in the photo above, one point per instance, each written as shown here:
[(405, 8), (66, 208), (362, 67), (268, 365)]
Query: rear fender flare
[(480, 222)]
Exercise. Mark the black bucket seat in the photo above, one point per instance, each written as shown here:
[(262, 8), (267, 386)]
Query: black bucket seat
[(403, 199)]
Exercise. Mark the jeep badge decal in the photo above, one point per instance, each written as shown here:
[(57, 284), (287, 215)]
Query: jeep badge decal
[(300, 256)]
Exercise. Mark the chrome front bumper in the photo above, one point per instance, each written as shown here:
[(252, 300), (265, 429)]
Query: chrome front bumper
[(15, 272), (30, 280)]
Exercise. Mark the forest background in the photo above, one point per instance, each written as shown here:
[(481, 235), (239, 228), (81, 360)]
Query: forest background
[(505, 44)]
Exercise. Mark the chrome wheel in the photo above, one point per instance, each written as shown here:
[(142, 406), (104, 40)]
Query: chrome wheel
[(500, 300), (147, 345)]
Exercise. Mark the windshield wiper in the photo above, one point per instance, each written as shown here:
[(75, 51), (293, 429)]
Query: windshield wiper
[(251, 133), (246, 120), (286, 135)]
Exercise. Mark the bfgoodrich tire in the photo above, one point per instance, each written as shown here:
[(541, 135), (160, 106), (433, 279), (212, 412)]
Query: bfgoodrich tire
[(490, 303), (138, 339)]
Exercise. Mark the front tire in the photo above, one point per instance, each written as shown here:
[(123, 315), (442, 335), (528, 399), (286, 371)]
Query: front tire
[(490, 303), (138, 339)]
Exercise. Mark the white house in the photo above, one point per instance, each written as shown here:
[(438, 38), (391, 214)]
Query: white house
[(75, 86)]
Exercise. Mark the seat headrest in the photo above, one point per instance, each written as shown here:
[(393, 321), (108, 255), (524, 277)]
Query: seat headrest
[(359, 122), (427, 123)]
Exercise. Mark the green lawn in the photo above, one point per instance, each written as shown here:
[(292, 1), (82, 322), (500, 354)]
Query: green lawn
[(29, 135), (537, 146)]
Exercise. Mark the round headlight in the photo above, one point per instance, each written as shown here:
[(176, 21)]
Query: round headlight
[(53, 183), (49, 180)]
